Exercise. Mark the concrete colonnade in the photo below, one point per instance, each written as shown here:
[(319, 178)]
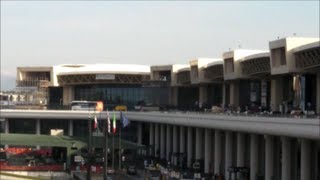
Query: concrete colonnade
[(168, 142), (273, 165)]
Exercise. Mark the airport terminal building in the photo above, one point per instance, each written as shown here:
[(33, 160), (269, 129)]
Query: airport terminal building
[(264, 108), (283, 78)]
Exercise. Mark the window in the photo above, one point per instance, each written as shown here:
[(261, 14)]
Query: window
[(278, 57), (229, 65)]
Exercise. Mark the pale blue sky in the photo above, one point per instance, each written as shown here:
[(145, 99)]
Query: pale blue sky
[(50, 33)]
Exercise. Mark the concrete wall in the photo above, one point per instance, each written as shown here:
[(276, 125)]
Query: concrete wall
[(68, 94)]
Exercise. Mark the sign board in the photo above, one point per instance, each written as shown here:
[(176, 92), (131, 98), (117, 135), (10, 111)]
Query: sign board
[(56, 132), (196, 165), (105, 76), (78, 159), (97, 134)]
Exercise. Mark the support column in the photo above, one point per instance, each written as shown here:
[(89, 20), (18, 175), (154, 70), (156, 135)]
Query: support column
[(174, 96), (286, 158), (6, 126), (189, 146), (207, 150), (217, 152), (38, 130), (168, 145), (318, 94), (294, 159), (70, 127), (254, 156), (198, 144), (276, 93), (38, 127), (162, 142), (157, 143), (228, 153), (151, 137), (234, 94), (182, 143), (174, 144), (6, 130), (240, 151), (68, 95), (269, 157), (224, 94), (305, 159), (203, 95)]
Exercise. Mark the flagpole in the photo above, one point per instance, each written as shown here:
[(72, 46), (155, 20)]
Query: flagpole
[(113, 151), (89, 148), (120, 146), (105, 131)]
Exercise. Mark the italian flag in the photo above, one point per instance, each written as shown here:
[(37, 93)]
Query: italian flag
[(109, 122), (95, 122), (114, 123)]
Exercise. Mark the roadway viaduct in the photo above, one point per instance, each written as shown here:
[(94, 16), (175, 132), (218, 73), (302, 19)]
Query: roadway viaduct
[(285, 148)]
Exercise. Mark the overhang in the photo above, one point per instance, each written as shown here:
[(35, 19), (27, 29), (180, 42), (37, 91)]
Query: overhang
[(293, 127)]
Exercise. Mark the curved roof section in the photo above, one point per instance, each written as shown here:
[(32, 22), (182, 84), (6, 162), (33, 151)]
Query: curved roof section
[(74, 69), (307, 46), (203, 62), (180, 67), (256, 56), (214, 62)]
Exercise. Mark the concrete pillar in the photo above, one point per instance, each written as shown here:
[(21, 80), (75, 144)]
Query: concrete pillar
[(234, 94), (203, 94), (68, 95), (228, 152), (182, 140), (162, 142), (189, 146), (182, 144), (6, 126), (269, 157), (198, 144), (217, 151), (151, 136), (38, 128), (169, 139), (254, 162), (305, 159), (286, 158), (174, 96), (294, 159), (276, 93), (70, 127), (207, 150), (240, 149), (224, 99), (156, 141), (318, 94), (315, 164), (277, 157), (175, 143)]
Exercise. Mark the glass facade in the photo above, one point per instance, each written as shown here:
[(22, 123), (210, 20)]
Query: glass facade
[(23, 126), (111, 94)]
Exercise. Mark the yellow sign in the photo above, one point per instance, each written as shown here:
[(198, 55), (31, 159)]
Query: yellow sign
[(99, 106)]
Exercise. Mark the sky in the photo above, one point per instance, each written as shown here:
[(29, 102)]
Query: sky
[(50, 33)]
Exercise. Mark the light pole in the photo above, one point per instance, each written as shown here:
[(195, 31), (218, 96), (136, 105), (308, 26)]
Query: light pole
[(89, 148)]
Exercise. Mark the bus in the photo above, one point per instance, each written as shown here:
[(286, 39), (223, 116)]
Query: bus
[(84, 105)]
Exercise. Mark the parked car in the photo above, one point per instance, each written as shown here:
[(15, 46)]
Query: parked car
[(132, 170)]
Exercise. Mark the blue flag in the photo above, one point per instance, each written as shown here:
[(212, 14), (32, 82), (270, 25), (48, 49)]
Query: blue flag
[(124, 120)]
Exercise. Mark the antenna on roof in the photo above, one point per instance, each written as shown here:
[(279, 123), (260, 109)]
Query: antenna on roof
[(239, 44)]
